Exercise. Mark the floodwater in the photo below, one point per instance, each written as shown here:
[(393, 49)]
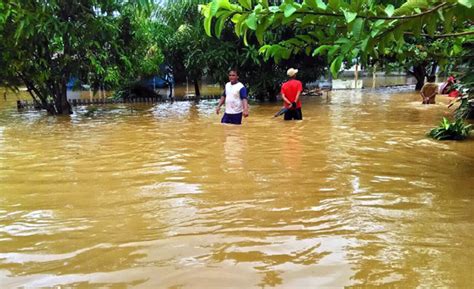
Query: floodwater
[(164, 196)]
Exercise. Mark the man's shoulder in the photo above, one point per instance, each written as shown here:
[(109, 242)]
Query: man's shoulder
[(430, 84), (291, 82), (239, 85)]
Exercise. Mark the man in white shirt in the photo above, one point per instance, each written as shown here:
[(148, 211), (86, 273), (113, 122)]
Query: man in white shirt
[(235, 98)]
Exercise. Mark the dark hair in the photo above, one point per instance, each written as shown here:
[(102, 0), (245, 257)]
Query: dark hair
[(234, 70), (431, 78)]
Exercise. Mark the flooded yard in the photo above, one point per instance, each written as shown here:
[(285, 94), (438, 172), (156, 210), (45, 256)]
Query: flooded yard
[(164, 196)]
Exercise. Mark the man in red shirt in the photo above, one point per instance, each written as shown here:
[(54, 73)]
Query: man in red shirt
[(290, 92)]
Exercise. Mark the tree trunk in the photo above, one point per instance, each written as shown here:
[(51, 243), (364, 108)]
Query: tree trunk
[(59, 106), (196, 88), (419, 72), (170, 93), (61, 103)]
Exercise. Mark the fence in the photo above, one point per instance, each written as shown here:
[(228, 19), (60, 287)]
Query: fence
[(25, 104)]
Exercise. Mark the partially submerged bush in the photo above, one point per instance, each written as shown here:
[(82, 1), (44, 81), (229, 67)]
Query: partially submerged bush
[(457, 130)]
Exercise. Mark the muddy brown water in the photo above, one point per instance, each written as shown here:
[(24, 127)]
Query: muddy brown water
[(164, 196)]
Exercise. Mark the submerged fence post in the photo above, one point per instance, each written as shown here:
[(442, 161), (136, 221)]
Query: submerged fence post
[(374, 75), (20, 105)]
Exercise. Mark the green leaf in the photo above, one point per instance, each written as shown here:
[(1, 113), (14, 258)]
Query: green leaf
[(264, 3), (225, 4), (262, 28), (321, 4), (244, 32), (350, 16), (363, 44), (336, 65), (342, 40), (467, 3), (235, 19), (310, 3), (409, 6), (264, 49), (457, 49), (346, 48), (274, 9), (357, 27), (374, 32), (389, 10), (207, 25), (333, 51), (334, 4), (220, 23), (305, 38), (448, 23), (247, 4), (289, 10), (206, 10), (431, 27), (321, 49), (214, 7), (252, 21)]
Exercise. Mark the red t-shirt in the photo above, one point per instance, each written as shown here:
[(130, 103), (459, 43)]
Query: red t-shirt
[(290, 89)]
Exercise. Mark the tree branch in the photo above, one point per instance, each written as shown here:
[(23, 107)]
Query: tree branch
[(381, 17), (32, 90), (444, 35)]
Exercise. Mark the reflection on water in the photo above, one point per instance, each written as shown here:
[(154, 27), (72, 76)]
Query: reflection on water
[(164, 196), (234, 148)]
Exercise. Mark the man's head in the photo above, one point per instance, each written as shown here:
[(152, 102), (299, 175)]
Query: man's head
[(292, 72), (431, 78), (233, 76)]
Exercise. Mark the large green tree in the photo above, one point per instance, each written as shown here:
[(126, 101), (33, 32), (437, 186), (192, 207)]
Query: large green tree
[(193, 54), (342, 31), (45, 43), (185, 45)]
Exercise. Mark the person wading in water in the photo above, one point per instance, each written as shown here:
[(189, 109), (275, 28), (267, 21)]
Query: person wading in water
[(290, 92), (235, 98)]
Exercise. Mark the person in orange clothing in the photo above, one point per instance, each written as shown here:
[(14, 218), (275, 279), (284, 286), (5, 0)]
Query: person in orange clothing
[(290, 92)]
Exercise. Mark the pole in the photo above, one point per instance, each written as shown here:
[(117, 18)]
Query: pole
[(374, 76)]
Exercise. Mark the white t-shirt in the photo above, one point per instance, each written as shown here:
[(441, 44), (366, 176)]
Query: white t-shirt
[(234, 93)]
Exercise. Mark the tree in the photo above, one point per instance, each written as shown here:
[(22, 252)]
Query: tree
[(193, 54), (343, 31), (45, 43), (183, 40)]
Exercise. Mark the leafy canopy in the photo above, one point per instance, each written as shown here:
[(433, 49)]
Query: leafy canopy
[(340, 30), (44, 43)]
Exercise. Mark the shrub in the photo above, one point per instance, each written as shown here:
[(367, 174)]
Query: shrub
[(457, 130)]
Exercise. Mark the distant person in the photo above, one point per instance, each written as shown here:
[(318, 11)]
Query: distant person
[(290, 92), (447, 86), (235, 99), (429, 90)]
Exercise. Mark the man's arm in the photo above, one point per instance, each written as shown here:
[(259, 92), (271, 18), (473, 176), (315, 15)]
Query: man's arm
[(220, 103), (422, 90), (245, 103), (297, 96), (285, 99), (300, 89)]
